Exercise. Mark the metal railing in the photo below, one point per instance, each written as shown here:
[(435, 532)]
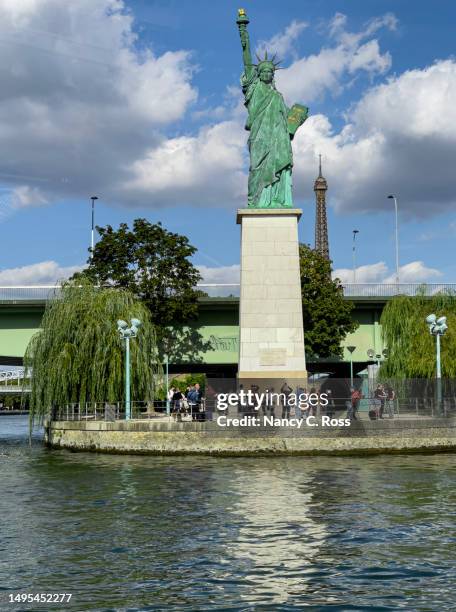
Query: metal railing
[(114, 411), (220, 289), (24, 293), (350, 289), (392, 289), (13, 389), (105, 411), (370, 408)]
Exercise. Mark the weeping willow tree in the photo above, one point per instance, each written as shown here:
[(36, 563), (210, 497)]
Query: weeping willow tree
[(411, 348), (77, 355)]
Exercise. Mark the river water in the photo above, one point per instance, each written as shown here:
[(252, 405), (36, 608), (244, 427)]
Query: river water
[(200, 533)]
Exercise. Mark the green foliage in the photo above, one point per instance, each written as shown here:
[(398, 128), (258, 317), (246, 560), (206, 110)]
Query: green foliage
[(14, 401), (181, 383), (78, 355), (191, 379), (154, 264), (411, 348), (327, 315)]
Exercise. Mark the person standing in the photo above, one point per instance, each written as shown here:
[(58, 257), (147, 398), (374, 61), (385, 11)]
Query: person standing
[(331, 407), (198, 400), (390, 398), (177, 399), (190, 397), (300, 393), (286, 390), (355, 399), (380, 397), (313, 409), (169, 398)]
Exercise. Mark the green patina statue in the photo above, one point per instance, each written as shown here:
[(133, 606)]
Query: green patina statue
[(272, 126)]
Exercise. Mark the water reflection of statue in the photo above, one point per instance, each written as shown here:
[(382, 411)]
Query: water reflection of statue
[(272, 126)]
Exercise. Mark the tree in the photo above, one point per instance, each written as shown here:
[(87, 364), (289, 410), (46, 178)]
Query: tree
[(327, 316), (77, 355), (411, 348), (154, 264)]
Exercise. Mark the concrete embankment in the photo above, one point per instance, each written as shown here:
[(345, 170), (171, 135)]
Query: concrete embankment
[(157, 436)]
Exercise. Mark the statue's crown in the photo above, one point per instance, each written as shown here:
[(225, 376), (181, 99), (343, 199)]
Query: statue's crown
[(267, 61)]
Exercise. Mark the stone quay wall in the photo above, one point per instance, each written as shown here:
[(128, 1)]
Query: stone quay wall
[(162, 437)]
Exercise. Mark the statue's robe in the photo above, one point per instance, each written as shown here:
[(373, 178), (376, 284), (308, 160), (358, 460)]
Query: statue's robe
[(271, 158)]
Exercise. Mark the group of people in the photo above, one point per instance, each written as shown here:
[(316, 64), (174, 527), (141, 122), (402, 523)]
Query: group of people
[(299, 410), (188, 402), (192, 404), (384, 396), (282, 404)]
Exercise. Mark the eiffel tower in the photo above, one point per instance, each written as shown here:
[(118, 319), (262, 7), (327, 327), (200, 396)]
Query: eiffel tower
[(321, 222)]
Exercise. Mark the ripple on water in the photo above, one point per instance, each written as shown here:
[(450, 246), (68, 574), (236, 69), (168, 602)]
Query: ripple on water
[(199, 533)]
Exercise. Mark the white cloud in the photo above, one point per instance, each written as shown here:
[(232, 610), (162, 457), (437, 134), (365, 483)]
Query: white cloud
[(282, 43), (399, 138), (220, 274), (83, 111), (50, 272), (25, 196), (413, 272), (372, 273), (206, 169), (338, 28), (42, 273), (79, 101), (308, 78)]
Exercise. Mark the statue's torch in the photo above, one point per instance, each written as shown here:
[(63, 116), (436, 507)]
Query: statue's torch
[(242, 22), (242, 19)]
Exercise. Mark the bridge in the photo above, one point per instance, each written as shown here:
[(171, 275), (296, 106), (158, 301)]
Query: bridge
[(14, 381), (42, 293), (22, 308)]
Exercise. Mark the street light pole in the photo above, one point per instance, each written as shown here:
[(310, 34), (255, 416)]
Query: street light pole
[(93, 198), (127, 379), (393, 197), (438, 371), (167, 384), (126, 333), (355, 231), (437, 328), (351, 350)]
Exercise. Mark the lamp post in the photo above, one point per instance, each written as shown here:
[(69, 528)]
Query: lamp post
[(351, 350), (93, 198), (355, 231), (126, 333), (167, 384), (393, 197), (437, 328)]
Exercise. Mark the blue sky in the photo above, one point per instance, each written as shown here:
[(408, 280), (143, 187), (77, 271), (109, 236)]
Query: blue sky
[(138, 102)]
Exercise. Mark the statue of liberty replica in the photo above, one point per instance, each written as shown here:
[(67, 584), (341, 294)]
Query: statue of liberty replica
[(272, 126), (271, 334)]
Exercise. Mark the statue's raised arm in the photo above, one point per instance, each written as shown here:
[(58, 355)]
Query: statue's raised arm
[(272, 126), (242, 22)]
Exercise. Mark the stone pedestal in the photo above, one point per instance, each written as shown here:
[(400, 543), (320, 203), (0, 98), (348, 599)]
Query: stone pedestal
[(271, 335)]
